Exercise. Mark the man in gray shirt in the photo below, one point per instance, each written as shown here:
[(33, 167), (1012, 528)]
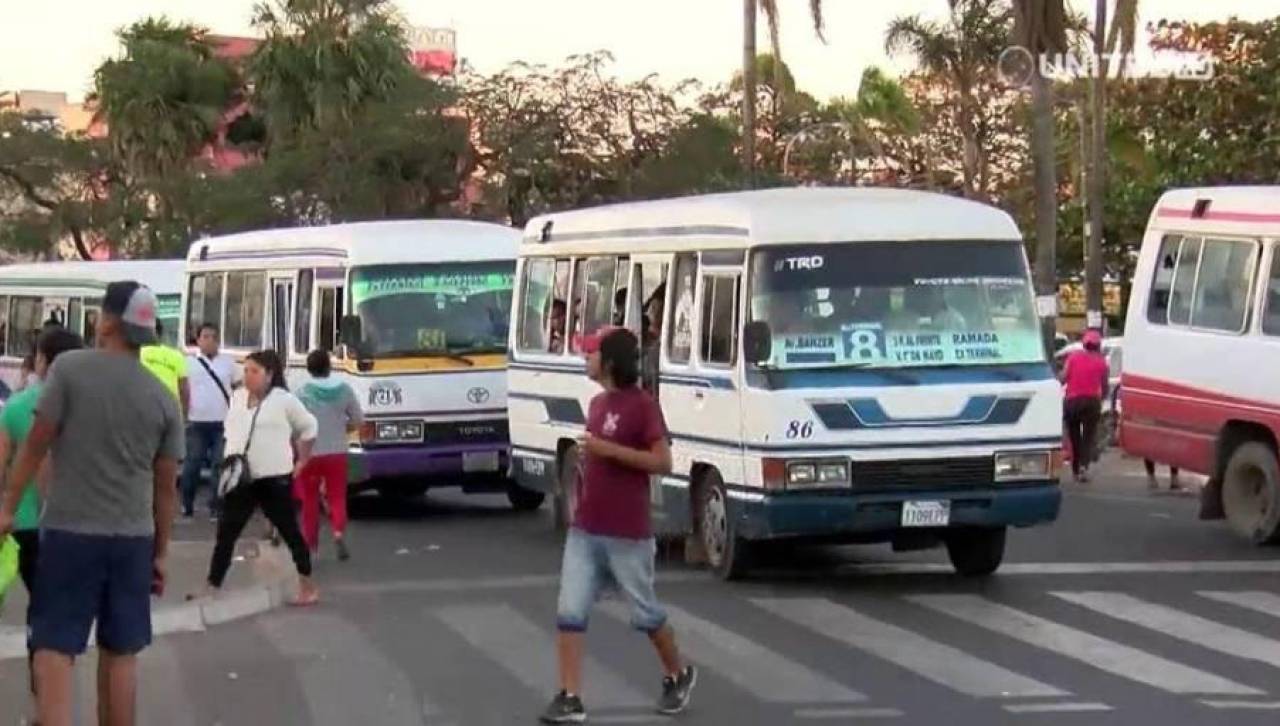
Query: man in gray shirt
[(115, 436)]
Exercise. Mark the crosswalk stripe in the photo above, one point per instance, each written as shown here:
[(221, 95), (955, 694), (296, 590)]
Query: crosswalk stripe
[(771, 677), (162, 692), (1243, 705), (334, 662), (1267, 603), (927, 658), (1107, 655), (1177, 624), (1069, 707), (527, 652)]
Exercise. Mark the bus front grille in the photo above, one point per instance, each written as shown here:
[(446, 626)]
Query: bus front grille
[(970, 471)]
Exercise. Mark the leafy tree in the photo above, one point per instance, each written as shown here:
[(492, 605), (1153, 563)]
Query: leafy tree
[(964, 50), (163, 99)]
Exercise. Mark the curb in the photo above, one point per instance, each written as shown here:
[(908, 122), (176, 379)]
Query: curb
[(272, 591)]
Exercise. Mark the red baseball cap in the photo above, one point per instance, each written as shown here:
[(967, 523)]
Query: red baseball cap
[(590, 344)]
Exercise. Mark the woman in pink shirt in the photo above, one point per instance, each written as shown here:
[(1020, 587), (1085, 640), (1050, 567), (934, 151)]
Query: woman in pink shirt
[(1085, 377)]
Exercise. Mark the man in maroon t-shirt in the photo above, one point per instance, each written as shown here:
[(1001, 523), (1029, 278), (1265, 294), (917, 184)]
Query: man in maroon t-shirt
[(611, 540)]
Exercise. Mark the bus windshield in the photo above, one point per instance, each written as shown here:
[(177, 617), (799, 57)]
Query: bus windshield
[(454, 308), (896, 304)]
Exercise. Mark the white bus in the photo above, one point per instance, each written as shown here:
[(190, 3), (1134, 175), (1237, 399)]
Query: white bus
[(845, 365), (71, 293), (1200, 386), (416, 314)]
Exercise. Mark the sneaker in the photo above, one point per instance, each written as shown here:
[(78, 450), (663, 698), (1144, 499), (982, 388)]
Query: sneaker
[(564, 708), (676, 691), (344, 554)]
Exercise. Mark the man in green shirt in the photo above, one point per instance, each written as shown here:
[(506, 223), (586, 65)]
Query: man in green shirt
[(15, 423), (170, 366)]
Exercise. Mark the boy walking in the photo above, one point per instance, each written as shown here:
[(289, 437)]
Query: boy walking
[(611, 540)]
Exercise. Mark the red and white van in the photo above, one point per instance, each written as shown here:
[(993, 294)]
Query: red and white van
[(1201, 381)]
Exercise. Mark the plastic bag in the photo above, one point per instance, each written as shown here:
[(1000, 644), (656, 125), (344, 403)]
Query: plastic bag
[(8, 565)]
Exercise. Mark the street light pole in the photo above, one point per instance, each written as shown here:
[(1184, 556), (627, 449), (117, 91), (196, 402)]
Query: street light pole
[(749, 91)]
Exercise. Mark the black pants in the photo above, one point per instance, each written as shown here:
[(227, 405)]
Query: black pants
[(275, 496), (28, 554), (1082, 415), (1151, 468)]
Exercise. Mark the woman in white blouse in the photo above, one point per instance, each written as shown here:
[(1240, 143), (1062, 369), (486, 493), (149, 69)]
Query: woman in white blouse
[(283, 425)]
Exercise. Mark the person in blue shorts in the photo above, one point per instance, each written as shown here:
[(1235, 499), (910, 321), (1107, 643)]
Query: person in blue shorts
[(107, 511)]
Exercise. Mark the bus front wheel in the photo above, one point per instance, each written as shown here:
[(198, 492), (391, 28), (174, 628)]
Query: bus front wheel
[(524, 500), (976, 552), (565, 500), (1251, 492), (728, 555)]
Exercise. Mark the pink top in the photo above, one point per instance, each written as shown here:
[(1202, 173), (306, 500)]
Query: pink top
[(1085, 375)]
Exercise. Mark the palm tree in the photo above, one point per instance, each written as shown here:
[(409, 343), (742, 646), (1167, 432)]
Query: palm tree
[(962, 50), (322, 60), (751, 10), (1121, 37), (1041, 26), (163, 99)]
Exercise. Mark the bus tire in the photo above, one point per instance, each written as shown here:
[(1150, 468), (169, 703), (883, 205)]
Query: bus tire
[(1251, 492), (524, 500), (728, 555), (976, 552), (565, 499)]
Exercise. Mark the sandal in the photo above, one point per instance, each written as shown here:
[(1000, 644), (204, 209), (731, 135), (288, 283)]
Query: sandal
[(305, 600)]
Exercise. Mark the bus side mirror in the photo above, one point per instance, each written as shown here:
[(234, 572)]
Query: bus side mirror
[(757, 342), (351, 332)]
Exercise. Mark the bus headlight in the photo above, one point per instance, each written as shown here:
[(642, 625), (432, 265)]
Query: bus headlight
[(1026, 466), (802, 474)]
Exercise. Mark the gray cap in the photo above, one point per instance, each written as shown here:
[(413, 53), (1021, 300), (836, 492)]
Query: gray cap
[(135, 305)]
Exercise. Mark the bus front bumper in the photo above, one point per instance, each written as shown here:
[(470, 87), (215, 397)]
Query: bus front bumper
[(467, 461), (873, 517)]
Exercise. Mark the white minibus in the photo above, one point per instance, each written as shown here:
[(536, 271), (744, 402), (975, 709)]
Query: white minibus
[(834, 365), (416, 314), (71, 293), (1200, 387)]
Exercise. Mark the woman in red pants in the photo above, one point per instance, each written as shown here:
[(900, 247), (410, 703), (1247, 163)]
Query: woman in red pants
[(338, 412)]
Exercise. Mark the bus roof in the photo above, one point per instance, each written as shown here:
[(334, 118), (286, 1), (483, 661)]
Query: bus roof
[(164, 277), (1243, 209), (361, 243), (778, 216)]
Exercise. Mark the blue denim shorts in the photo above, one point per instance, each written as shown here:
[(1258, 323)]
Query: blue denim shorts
[(85, 578), (593, 562)]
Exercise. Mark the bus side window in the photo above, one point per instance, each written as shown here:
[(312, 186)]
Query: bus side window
[(537, 305), (594, 295), (302, 312), (719, 320), (330, 313), (1162, 280), (679, 327), (4, 325), (1271, 318)]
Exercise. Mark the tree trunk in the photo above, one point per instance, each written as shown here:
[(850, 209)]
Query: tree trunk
[(1046, 190), (749, 91), (1097, 174)]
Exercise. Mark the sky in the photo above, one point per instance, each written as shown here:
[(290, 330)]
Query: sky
[(54, 45)]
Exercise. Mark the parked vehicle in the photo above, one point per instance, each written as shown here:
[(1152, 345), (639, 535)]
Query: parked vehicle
[(416, 313), (1199, 386), (846, 365), (71, 293)]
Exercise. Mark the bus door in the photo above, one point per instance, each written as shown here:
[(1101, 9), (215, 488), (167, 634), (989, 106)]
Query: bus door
[(646, 295), (281, 314)]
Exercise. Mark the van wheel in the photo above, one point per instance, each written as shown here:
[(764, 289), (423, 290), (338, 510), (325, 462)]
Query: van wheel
[(1251, 492), (524, 500), (566, 496), (976, 552), (728, 555)]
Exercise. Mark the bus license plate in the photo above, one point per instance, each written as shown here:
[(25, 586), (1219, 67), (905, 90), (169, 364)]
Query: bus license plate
[(926, 514), (480, 461)]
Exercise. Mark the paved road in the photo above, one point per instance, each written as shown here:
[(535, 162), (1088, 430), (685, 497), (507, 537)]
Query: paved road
[(1126, 611)]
